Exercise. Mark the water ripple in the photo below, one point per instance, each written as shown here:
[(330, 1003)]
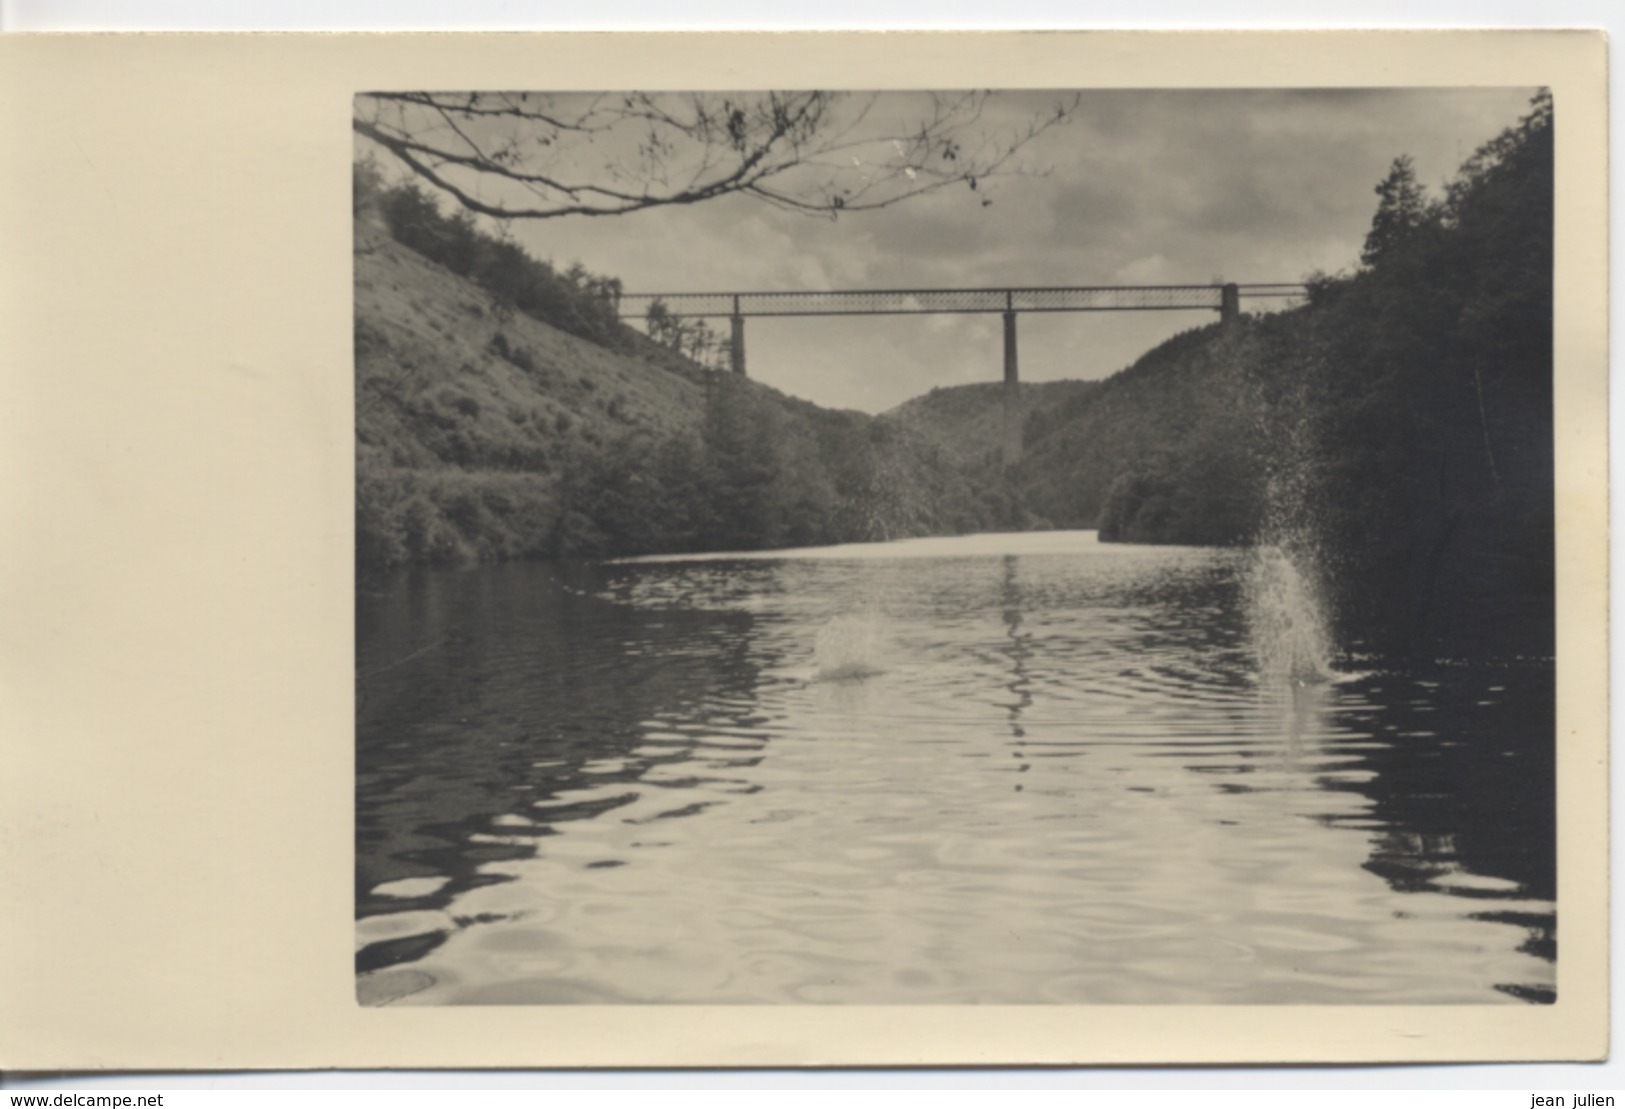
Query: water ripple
[(1062, 776)]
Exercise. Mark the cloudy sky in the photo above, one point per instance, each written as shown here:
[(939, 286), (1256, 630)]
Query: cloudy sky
[(1138, 187)]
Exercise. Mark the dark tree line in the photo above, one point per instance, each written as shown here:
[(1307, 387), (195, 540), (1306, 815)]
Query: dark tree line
[(1166, 451), (763, 472), (1397, 428), (1432, 404)]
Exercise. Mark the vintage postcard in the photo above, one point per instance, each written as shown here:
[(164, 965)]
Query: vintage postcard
[(821, 549)]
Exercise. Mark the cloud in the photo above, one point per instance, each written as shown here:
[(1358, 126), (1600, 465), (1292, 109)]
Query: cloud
[(1154, 270)]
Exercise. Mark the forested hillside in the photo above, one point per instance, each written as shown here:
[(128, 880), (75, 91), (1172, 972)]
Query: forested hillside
[(1395, 433), (969, 419), (503, 411), (1426, 380), (1164, 451)]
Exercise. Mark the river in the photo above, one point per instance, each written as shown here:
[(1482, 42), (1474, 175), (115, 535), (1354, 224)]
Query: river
[(1013, 769)]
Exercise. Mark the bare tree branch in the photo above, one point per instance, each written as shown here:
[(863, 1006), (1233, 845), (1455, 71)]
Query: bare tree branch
[(515, 155)]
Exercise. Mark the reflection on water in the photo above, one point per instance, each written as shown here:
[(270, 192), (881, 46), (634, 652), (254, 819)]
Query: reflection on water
[(1009, 769)]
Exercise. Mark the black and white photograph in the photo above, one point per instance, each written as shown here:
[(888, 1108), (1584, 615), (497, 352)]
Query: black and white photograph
[(1043, 547)]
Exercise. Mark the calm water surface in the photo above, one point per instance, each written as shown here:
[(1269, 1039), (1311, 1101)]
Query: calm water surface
[(1005, 769)]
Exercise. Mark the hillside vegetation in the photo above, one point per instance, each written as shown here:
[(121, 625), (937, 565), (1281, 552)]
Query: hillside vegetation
[(967, 421), (1394, 434), (503, 412), (1164, 451), (1425, 385)]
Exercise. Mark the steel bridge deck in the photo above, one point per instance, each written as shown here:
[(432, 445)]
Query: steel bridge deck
[(909, 302)]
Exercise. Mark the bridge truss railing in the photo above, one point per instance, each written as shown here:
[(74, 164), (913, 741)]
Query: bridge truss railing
[(904, 302)]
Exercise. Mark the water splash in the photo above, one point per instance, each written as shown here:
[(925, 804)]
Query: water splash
[(1287, 619), (1287, 585), (850, 648)]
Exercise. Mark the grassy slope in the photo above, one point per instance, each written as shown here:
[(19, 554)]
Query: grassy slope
[(433, 389), (468, 418)]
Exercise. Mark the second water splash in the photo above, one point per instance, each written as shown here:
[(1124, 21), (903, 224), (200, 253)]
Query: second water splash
[(850, 648)]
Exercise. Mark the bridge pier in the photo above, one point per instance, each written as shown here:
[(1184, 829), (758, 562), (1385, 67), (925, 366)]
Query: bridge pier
[(1229, 304), (736, 346), (1012, 394)]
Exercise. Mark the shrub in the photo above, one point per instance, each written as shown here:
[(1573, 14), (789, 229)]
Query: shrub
[(515, 355)]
